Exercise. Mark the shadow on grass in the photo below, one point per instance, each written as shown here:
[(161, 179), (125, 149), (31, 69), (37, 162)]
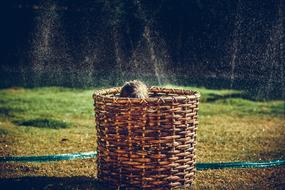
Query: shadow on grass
[(43, 123), (215, 97), (4, 131), (8, 112), (43, 182)]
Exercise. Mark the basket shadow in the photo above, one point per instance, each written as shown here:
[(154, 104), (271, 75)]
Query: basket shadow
[(44, 182)]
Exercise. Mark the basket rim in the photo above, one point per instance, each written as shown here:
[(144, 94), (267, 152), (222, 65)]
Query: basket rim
[(182, 94)]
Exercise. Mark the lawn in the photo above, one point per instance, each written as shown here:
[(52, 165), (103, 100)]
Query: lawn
[(52, 120)]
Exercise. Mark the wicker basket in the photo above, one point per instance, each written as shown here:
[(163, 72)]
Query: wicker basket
[(146, 143)]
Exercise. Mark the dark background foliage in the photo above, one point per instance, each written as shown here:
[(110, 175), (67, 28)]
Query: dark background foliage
[(218, 44)]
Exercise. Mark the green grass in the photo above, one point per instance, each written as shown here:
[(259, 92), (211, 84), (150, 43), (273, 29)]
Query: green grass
[(233, 127)]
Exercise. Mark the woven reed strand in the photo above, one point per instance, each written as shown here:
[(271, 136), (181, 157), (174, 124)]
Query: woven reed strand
[(147, 143)]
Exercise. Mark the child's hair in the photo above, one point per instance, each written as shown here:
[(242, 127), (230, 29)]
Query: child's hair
[(134, 89)]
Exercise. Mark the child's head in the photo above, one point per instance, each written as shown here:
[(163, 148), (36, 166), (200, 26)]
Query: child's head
[(134, 89)]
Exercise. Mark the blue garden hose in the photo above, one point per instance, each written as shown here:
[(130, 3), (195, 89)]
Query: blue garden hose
[(222, 165), (48, 158), (86, 155)]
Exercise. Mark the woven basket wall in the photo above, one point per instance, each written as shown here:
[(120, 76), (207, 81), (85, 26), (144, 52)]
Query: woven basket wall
[(146, 143)]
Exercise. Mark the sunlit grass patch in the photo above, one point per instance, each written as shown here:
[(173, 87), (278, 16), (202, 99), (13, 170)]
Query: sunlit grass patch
[(54, 102)]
